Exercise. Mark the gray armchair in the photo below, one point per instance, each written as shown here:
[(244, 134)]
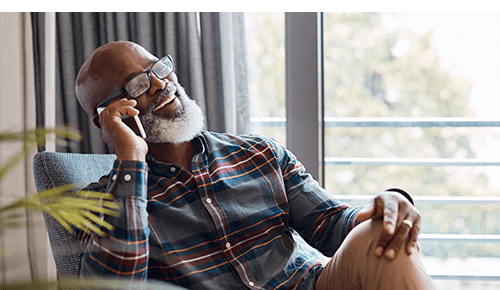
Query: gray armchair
[(53, 169)]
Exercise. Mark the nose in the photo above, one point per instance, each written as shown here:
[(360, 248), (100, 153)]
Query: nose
[(157, 84)]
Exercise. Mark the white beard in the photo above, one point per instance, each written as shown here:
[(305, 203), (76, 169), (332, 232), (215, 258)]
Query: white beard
[(179, 126)]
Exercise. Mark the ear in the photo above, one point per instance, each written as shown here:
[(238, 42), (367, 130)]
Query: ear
[(95, 119)]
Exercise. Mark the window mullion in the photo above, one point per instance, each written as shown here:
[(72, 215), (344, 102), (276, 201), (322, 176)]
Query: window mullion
[(304, 90)]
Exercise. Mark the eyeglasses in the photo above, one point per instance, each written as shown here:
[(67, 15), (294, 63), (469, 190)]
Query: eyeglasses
[(142, 82)]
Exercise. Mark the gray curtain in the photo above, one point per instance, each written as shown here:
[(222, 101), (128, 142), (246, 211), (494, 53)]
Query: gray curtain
[(208, 48)]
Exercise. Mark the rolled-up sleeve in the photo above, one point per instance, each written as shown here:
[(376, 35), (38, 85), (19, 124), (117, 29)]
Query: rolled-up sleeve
[(315, 214)]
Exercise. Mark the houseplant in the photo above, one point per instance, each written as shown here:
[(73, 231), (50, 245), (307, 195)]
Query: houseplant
[(71, 208), (79, 209)]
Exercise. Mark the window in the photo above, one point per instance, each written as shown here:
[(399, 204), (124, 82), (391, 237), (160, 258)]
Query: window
[(265, 37), (409, 100)]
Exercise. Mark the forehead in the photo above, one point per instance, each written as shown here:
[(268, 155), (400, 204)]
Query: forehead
[(124, 64), (139, 55)]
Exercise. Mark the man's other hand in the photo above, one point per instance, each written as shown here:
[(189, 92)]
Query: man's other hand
[(401, 222)]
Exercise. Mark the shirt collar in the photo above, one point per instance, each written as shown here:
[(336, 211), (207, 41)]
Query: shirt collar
[(200, 145)]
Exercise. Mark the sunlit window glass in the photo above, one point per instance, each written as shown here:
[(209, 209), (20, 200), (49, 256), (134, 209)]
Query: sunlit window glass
[(265, 37), (425, 66)]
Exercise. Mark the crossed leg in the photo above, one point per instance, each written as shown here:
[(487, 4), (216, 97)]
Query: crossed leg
[(355, 266)]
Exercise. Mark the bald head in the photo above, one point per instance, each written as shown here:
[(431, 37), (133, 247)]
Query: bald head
[(109, 68)]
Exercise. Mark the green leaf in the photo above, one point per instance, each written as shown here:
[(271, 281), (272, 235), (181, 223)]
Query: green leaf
[(78, 209)]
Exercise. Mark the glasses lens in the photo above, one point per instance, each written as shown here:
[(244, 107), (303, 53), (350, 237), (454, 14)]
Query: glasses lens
[(163, 68), (138, 85)]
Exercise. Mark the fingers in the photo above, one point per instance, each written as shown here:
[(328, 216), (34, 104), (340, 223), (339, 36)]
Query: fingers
[(366, 212), (390, 214), (111, 117), (401, 224), (389, 245), (120, 108), (373, 209), (412, 241), (383, 206), (117, 132)]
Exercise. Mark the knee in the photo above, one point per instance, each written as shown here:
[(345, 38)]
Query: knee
[(356, 264), (358, 248), (353, 259), (368, 228), (361, 243), (365, 235)]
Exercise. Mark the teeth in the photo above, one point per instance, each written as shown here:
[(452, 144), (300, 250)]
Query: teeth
[(162, 104)]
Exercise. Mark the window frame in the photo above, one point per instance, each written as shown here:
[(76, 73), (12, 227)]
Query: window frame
[(305, 125)]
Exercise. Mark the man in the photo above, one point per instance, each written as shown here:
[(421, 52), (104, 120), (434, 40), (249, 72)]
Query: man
[(208, 210)]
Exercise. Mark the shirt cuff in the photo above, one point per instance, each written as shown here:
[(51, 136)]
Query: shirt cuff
[(128, 178)]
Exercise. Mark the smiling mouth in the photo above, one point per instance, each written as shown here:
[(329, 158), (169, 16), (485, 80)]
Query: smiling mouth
[(169, 98)]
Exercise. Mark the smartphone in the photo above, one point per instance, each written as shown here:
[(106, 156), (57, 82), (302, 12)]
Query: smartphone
[(142, 133)]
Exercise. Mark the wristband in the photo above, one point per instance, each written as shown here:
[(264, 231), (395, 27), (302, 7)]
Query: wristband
[(404, 193)]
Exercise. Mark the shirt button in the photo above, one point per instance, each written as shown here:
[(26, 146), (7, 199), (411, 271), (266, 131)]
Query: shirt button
[(127, 177), (172, 169), (228, 245), (209, 200), (251, 283), (114, 177)]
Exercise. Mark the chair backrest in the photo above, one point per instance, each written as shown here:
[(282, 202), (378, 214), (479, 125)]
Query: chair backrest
[(53, 169)]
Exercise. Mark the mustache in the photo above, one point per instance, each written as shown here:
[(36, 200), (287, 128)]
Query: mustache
[(168, 88)]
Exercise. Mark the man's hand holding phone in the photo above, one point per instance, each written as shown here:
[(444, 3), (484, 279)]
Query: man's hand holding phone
[(117, 120)]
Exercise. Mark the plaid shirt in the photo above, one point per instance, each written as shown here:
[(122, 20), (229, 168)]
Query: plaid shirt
[(246, 216)]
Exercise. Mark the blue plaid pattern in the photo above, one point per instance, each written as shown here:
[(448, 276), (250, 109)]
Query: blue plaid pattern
[(247, 215)]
